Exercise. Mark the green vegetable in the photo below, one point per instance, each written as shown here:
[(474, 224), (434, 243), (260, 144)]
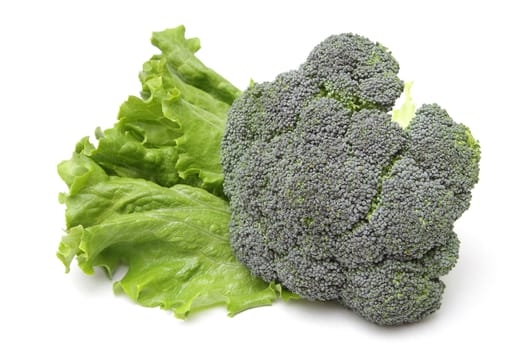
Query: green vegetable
[(149, 195), (328, 193), (407, 110), (172, 133), (335, 198)]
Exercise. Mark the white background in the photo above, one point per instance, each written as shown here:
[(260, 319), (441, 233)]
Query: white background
[(67, 66)]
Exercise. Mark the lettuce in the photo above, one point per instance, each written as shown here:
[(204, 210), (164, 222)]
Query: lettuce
[(149, 194), (172, 133)]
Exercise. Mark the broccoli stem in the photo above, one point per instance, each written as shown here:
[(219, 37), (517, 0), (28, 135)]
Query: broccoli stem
[(404, 114)]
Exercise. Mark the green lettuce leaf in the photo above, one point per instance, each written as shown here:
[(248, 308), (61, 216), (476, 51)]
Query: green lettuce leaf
[(149, 194), (173, 132), (174, 240)]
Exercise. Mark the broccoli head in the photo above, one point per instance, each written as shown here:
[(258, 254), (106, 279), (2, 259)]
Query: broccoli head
[(336, 201)]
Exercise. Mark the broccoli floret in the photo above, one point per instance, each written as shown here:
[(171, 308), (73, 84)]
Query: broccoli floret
[(447, 151), (392, 292), (355, 71), (333, 199)]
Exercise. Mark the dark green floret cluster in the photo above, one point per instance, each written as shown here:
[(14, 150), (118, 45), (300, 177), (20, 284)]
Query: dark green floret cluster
[(336, 201)]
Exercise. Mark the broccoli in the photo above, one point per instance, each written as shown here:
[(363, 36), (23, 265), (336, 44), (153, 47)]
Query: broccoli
[(335, 199)]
